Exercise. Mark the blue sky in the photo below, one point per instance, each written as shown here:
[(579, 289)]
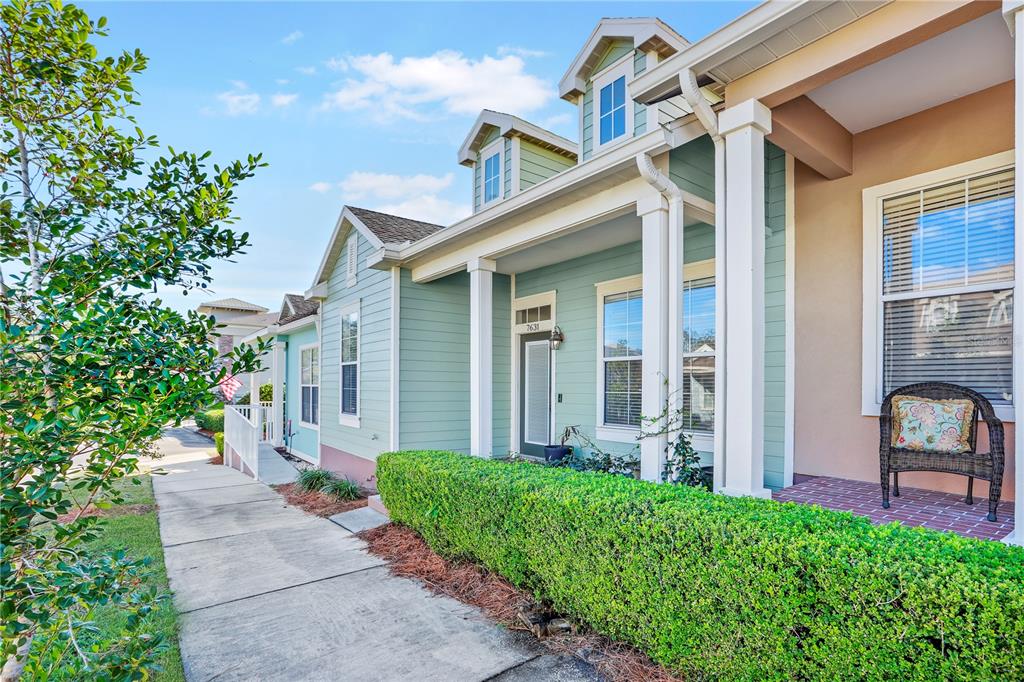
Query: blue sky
[(351, 103)]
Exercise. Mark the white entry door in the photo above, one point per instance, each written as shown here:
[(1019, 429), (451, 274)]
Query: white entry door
[(536, 395)]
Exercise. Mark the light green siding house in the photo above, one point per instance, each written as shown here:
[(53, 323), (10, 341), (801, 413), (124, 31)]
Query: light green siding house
[(584, 291)]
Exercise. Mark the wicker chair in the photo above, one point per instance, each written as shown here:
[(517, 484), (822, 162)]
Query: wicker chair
[(987, 466)]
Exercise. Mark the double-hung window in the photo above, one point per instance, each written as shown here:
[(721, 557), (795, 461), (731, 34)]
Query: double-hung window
[(698, 389), (944, 272), (349, 365), (309, 380), (492, 173), (621, 355), (612, 99)]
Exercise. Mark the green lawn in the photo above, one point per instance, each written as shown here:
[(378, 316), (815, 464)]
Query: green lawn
[(139, 536)]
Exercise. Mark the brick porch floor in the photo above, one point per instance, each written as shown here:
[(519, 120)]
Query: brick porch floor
[(914, 506)]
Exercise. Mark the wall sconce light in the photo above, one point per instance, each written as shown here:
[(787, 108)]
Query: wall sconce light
[(557, 337)]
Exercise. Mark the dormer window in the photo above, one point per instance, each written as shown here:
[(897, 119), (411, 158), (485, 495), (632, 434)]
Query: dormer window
[(492, 175), (613, 108)]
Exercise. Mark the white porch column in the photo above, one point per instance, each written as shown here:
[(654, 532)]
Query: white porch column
[(653, 212), (481, 330), (277, 371), (1013, 12), (744, 126)]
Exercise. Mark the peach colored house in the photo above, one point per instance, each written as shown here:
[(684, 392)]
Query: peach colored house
[(891, 114)]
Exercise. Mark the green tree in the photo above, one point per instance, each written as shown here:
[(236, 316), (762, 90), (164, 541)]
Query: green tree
[(93, 364)]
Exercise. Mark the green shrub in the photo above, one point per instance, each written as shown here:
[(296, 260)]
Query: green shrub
[(341, 488), (211, 420), (314, 479), (218, 440), (266, 393), (719, 587)]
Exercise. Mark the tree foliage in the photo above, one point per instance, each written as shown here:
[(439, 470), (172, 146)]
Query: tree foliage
[(94, 218)]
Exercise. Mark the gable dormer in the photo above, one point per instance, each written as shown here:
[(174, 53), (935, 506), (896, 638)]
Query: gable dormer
[(617, 51), (508, 155)]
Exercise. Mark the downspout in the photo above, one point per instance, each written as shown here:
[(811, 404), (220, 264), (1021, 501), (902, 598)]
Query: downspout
[(709, 120), (674, 196)]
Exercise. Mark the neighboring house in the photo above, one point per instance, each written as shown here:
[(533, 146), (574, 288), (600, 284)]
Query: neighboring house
[(829, 187), (237, 319)]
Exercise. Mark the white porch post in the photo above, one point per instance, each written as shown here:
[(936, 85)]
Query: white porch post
[(744, 127), (653, 212), (1013, 12), (481, 330), (277, 370)]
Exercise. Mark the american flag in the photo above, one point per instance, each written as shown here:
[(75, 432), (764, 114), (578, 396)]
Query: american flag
[(229, 386)]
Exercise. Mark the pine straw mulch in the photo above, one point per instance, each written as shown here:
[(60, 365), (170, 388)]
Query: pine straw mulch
[(119, 510), (315, 502), (409, 556)]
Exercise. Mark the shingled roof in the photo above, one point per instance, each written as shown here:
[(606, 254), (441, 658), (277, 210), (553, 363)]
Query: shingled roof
[(392, 229), (296, 307), (233, 304)]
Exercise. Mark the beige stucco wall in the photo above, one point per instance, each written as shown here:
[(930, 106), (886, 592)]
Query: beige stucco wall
[(831, 436)]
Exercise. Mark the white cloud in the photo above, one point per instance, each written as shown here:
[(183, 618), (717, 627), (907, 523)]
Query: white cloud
[(282, 99), (292, 37), (445, 82), (282, 81), (306, 70), (362, 185), (337, 64), (428, 208), (321, 187), (524, 52), (239, 102), (556, 121)]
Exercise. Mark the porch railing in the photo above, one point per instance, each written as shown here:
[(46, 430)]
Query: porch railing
[(242, 430), (269, 429)]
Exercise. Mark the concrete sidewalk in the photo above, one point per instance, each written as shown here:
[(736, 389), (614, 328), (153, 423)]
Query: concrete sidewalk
[(268, 592)]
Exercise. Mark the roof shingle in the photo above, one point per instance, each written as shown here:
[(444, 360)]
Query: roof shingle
[(392, 229), (297, 307)]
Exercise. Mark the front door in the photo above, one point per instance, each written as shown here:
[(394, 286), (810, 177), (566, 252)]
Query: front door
[(534, 393)]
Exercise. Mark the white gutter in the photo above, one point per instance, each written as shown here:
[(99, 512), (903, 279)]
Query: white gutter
[(709, 119), (675, 197)]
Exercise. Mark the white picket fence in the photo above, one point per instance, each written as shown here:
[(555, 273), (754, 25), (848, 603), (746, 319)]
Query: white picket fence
[(243, 427)]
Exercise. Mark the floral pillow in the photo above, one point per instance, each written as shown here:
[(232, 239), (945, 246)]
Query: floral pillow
[(942, 426)]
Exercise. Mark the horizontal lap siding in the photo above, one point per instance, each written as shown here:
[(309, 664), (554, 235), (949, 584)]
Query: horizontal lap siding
[(501, 377), (506, 171), (303, 439), (775, 317), (639, 110), (434, 363), (373, 291), (587, 123), (537, 164)]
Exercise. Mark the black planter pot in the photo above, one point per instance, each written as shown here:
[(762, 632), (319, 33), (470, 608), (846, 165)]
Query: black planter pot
[(556, 453)]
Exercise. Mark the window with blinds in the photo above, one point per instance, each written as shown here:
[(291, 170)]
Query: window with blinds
[(698, 394), (623, 358), (947, 285)]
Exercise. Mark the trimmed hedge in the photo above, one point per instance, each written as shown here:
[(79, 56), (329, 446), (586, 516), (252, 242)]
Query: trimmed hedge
[(720, 587), (218, 441), (211, 420)]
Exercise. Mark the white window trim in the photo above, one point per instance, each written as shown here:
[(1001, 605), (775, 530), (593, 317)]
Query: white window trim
[(623, 67), (608, 432), (872, 333), (302, 349), (352, 259), (345, 419), (496, 147)]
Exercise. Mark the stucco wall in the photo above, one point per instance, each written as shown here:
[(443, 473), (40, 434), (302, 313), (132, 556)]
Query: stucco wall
[(831, 436)]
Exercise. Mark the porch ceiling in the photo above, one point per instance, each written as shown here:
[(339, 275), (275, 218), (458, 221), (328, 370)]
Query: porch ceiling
[(967, 59), (605, 235)]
